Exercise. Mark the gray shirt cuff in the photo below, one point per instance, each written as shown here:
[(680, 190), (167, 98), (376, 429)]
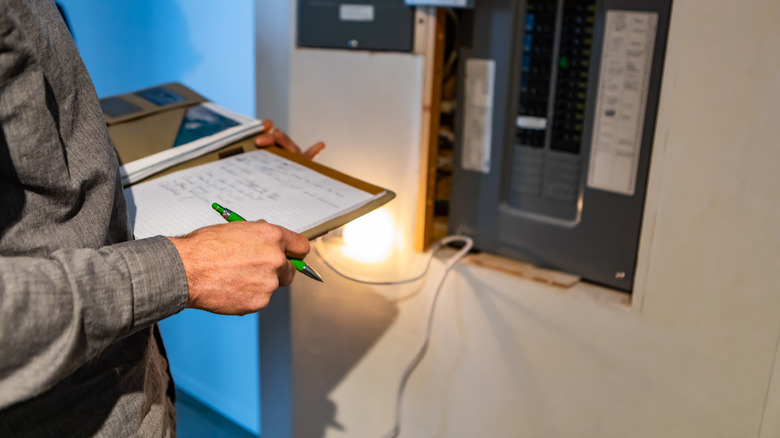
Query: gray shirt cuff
[(158, 279)]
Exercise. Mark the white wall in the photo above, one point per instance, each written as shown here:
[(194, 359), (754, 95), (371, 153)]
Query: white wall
[(691, 356)]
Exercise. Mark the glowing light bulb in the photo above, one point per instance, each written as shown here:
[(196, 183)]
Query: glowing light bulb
[(370, 238)]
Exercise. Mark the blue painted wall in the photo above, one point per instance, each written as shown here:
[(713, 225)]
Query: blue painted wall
[(209, 46)]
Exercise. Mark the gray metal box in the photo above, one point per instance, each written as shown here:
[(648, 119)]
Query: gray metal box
[(555, 126), (359, 25)]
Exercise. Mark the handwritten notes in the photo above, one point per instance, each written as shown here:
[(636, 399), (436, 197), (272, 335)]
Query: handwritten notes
[(256, 185)]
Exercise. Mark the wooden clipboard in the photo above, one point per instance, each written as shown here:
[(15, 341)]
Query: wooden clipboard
[(159, 123), (248, 145)]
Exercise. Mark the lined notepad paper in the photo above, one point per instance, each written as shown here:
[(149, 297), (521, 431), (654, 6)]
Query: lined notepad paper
[(256, 185)]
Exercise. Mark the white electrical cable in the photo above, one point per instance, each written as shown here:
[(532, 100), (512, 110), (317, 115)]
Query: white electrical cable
[(467, 245), (321, 251)]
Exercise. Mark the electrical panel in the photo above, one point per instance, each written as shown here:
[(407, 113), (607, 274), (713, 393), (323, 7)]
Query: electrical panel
[(556, 120), (386, 25)]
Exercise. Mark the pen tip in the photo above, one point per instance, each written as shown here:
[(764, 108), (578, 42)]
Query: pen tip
[(311, 273)]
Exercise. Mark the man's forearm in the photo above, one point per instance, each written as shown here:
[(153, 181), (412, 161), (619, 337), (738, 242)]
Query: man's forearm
[(59, 312)]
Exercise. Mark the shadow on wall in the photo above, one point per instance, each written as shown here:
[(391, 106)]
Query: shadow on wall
[(334, 325), (132, 45)]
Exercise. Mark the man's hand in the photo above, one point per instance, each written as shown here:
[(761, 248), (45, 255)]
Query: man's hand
[(272, 136), (233, 268)]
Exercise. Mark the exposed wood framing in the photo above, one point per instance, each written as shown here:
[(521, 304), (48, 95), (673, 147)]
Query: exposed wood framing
[(429, 42)]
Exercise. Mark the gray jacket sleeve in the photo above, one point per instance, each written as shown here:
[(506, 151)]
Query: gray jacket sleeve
[(56, 313)]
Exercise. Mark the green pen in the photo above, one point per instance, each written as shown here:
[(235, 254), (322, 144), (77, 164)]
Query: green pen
[(300, 265)]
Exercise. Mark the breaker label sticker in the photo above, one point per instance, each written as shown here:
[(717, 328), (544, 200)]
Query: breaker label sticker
[(478, 114), (627, 55)]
